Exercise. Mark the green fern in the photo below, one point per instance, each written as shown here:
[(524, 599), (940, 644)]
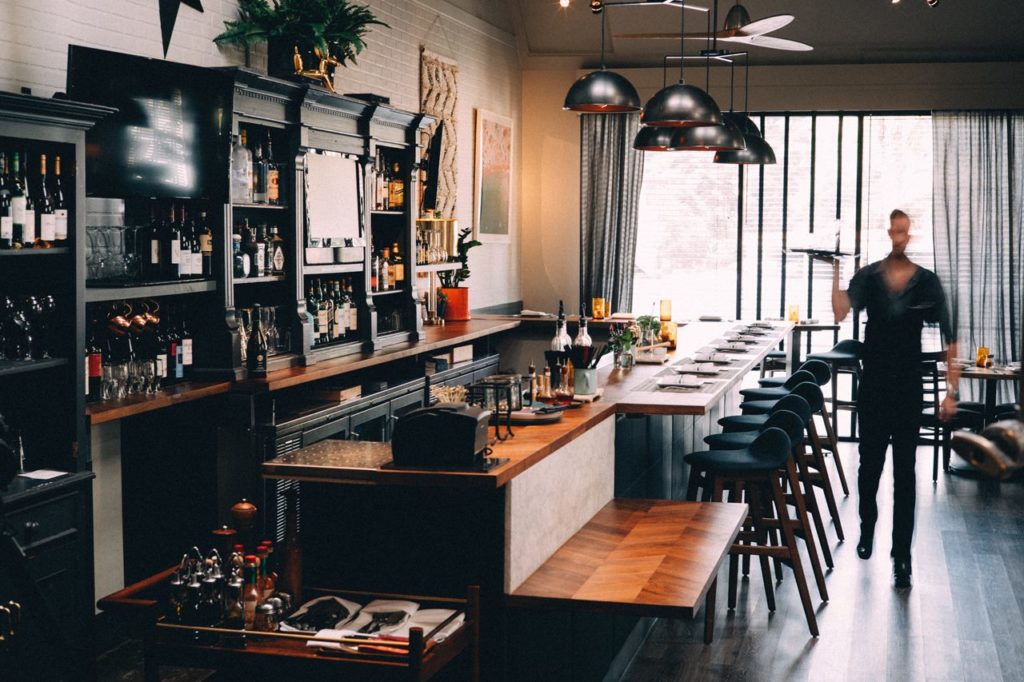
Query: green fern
[(337, 26)]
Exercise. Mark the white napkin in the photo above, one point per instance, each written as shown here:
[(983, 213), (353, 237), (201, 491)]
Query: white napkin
[(428, 619)]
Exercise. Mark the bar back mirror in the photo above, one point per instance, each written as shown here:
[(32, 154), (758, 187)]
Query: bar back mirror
[(333, 228)]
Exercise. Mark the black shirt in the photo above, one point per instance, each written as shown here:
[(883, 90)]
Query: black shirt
[(892, 339)]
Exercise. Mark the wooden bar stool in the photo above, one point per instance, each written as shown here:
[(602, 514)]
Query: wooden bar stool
[(755, 470), (844, 357), (821, 371), (741, 436), (816, 458)]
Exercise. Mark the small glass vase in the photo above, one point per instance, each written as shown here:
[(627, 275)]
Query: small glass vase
[(626, 358)]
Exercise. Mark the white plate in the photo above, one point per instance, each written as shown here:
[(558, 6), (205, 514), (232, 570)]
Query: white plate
[(678, 382), (732, 348), (716, 358), (705, 369)]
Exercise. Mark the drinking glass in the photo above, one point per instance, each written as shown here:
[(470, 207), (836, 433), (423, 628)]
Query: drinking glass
[(598, 308), (794, 313), (269, 323), (666, 310)]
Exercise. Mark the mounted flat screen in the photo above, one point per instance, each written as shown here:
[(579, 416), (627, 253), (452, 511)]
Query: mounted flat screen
[(332, 199), (171, 137)]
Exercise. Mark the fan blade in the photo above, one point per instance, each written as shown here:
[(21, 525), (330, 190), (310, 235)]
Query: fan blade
[(766, 25), (770, 42)]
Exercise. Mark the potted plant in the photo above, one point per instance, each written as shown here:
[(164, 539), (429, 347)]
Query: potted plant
[(650, 331), (304, 37), (457, 296), (622, 339)]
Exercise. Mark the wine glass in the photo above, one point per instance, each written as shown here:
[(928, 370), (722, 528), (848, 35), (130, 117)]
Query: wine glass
[(268, 320)]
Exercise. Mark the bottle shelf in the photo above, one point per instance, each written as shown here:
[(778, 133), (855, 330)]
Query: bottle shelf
[(186, 391), (260, 280), (332, 269), (98, 294), (437, 267), (8, 367), (23, 253), (270, 207)]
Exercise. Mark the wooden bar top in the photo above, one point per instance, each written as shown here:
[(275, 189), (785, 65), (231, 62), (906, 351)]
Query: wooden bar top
[(111, 410), (640, 557), (633, 390), (434, 338), (358, 462)]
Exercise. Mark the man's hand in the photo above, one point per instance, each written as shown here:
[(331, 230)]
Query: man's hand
[(947, 410)]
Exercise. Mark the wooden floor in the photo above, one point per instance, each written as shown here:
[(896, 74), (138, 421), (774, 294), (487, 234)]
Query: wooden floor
[(961, 621)]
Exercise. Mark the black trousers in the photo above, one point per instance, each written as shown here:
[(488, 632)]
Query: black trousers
[(889, 410)]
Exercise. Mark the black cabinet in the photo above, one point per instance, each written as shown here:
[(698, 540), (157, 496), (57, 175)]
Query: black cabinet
[(46, 579)]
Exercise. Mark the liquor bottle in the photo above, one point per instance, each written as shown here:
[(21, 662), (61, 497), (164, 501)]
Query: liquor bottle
[(374, 274), (185, 349), (60, 206), (161, 341), (256, 349), (396, 189), (268, 252), (249, 248), (561, 339), (151, 261), (241, 170), (583, 339), (6, 218), (184, 254), (313, 311), (353, 323), (206, 246), (237, 258), (397, 264), (325, 314), (46, 229), (93, 369), (28, 228), (384, 272), (341, 313), (390, 262), (380, 189), (273, 175), (259, 175), (18, 201), (260, 259), (172, 341), (276, 252)]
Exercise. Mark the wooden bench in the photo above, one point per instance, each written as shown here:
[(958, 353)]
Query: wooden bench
[(655, 558)]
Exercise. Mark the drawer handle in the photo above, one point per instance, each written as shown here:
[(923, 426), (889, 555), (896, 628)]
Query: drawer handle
[(6, 623), (30, 529)]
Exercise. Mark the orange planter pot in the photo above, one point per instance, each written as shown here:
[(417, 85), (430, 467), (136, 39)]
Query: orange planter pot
[(457, 309)]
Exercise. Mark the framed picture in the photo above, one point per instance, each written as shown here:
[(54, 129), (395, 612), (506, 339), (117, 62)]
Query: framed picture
[(493, 178)]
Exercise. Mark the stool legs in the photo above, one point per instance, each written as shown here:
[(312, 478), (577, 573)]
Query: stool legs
[(821, 477), (811, 500), (833, 443), (794, 556)]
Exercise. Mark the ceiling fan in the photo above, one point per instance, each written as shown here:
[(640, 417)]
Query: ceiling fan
[(739, 28)]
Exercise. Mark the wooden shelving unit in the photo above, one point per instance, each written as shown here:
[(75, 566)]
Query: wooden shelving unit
[(100, 294), (10, 367)]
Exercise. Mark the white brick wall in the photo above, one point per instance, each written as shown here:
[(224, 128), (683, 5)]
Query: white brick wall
[(34, 35)]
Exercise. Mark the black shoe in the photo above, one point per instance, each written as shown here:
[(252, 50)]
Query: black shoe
[(901, 571), (866, 544)]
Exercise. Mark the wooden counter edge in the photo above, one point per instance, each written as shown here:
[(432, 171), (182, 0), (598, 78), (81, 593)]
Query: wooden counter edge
[(107, 411)]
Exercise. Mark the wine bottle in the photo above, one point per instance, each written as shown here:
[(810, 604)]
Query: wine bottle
[(28, 228), (93, 368), (6, 218), (205, 246), (260, 257), (60, 206), (273, 175), (313, 311), (18, 201), (259, 175), (237, 258), (47, 222), (353, 323), (172, 341), (384, 272), (374, 274), (324, 313), (195, 249), (186, 348), (256, 348)]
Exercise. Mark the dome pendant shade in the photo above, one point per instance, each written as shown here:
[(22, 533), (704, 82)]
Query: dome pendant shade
[(757, 152), (721, 138), (737, 18), (602, 92), (651, 139), (681, 106), (744, 123)]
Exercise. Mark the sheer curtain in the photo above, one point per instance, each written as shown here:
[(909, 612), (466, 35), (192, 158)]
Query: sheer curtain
[(977, 206), (610, 179)]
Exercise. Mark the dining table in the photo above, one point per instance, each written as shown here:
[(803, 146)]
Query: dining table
[(991, 376)]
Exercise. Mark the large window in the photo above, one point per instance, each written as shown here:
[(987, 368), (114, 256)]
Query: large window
[(703, 227)]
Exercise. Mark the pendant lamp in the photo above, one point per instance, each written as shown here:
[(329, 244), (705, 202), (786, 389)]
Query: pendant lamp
[(651, 139), (681, 105), (602, 91), (756, 150)]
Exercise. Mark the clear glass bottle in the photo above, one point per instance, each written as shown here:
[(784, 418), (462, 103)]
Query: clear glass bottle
[(241, 170)]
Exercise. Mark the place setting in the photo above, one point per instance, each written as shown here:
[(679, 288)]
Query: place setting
[(685, 382)]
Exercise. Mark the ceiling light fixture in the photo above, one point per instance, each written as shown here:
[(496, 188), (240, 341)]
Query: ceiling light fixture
[(681, 105), (756, 151), (602, 91)]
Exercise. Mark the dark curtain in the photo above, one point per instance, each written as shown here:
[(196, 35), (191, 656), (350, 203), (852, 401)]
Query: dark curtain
[(611, 172), (978, 197)]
